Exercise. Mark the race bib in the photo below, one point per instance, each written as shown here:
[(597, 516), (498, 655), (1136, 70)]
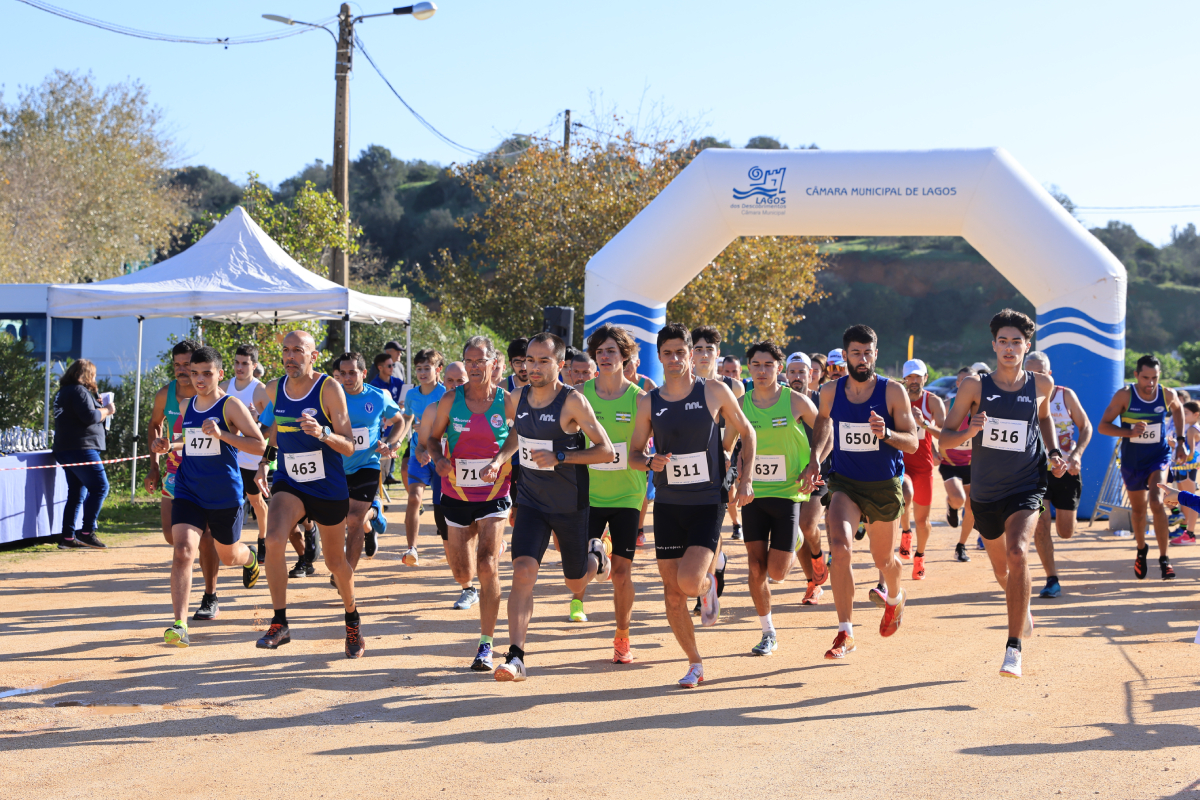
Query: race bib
[(527, 448), (466, 472), (1152, 435), (966, 445), (769, 469), (856, 437), (620, 460), (1005, 434), (305, 467), (362, 438), (198, 443), (687, 468)]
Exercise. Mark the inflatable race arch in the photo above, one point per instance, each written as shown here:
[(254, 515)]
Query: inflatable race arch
[(1074, 282)]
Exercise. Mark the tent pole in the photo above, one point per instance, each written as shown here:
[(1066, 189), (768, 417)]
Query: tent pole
[(346, 333), (46, 401), (137, 412), (408, 349)]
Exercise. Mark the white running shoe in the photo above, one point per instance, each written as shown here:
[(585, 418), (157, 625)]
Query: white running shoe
[(694, 677), (510, 671), (1011, 668), (1027, 631), (411, 559), (468, 598), (710, 604), (603, 562)]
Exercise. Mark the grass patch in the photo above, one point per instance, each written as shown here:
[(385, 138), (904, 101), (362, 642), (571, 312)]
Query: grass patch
[(120, 522)]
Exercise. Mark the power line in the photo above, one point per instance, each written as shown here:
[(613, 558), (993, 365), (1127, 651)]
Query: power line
[(1140, 209), (124, 30)]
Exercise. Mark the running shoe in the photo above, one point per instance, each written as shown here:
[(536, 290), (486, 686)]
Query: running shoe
[(176, 635), (310, 544), (893, 615), (1011, 668), (1165, 564), (737, 533), (468, 598), (576, 613), (696, 611), (694, 677), (379, 523), (952, 516), (69, 543), (1052, 589), (979, 543), (90, 540), (1182, 537), (711, 606), (250, 571), (411, 559), (354, 643), (511, 670), (860, 533), (820, 571), (370, 543), (765, 647), (606, 538), (1139, 563), (332, 581), (960, 552), (262, 550), (918, 568), (209, 608), (843, 645), (483, 658), (878, 595), (813, 594), (621, 653), (275, 636), (303, 569), (641, 539), (1027, 631), (719, 575), (603, 563), (906, 545)]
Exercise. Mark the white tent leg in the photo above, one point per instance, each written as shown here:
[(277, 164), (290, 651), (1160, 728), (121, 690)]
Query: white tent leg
[(408, 349), (46, 415), (346, 334), (137, 412)]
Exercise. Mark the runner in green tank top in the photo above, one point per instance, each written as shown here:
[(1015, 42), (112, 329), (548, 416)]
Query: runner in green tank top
[(771, 521), (616, 492)]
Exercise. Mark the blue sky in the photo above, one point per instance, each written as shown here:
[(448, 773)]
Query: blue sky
[(1095, 97)]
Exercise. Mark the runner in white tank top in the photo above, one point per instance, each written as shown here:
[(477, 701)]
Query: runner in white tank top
[(253, 394)]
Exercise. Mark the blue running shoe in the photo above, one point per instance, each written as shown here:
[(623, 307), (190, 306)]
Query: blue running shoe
[(379, 524), (483, 659), (979, 544), (1051, 590)]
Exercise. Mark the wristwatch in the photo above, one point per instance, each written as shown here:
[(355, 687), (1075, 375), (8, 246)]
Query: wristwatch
[(561, 456), (886, 434), (326, 432), (1054, 452)]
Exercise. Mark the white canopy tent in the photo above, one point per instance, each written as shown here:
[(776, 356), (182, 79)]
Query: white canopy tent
[(236, 273)]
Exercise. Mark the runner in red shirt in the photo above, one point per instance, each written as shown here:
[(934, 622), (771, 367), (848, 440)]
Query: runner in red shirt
[(929, 412)]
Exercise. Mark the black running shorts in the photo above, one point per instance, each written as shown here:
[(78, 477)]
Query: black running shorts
[(951, 471), (678, 527), (1063, 493), (622, 525), (320, 511), (991, 517), (772, 519), (363, 484), (248, 485), (224, 523), (531, 537)]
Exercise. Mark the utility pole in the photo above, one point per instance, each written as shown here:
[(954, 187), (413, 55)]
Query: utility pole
[(567, 135), (339, 270)]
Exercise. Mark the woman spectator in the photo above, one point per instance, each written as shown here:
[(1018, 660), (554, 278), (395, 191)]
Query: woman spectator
[(79, 438)]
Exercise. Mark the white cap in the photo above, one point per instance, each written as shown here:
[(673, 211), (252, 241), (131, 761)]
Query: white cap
[(914, 366), (835, 358), (979, 366), (801, 357)]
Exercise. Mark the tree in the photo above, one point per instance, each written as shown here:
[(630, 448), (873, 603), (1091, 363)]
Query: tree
[(545, 215), (83, 181), (22, 382), (765, 143)]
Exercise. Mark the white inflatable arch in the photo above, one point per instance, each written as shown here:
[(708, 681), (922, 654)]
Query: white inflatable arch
[(1074, 282)]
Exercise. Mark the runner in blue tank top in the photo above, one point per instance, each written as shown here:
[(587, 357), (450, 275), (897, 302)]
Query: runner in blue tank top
[(689, 469), (550, 422), (866, 421), (1010, 418), (1137, 414), (208, 487), (312, 432)]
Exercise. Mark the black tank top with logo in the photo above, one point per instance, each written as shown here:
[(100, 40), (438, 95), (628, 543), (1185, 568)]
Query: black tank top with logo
[(562, 489), (1007, 456), (686, 429)]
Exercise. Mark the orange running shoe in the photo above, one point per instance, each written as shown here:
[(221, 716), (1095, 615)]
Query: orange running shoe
[(919, 568), (606, 537), (621, 653), (906, 545), (843, 645), (892, 616), (820, 570), (813, 595)]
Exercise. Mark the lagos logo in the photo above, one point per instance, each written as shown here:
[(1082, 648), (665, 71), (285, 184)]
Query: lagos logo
[(766, 186)]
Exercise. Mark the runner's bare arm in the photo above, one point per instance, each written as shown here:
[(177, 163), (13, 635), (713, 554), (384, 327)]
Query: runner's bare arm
[(240, 421), (154, 431), (965, 403), (721, 397), (1082, 424), (427, 418), (579, 411), (639, 459), (437, 429), (934, 429), (333, 399), (388, 447), (1116, 407), (1175, 409), (804, 409), (1045, 390), (904, 436)]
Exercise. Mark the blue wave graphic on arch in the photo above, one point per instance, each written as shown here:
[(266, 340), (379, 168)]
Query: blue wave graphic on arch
[(651, 313), (1117, 342), (627, 320), (739, 194), (1053, 314)]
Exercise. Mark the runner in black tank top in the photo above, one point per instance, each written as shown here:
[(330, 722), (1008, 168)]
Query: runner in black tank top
[(1010, 418), (550, 422), (688, 468)]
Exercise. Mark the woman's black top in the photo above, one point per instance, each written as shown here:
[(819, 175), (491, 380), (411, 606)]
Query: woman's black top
[(77, 421)]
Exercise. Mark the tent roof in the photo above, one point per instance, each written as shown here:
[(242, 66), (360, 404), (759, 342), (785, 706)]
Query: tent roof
[(236, 273)]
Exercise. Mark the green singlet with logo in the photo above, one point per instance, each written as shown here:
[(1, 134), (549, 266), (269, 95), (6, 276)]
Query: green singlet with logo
[(615, 485), (781, 452)]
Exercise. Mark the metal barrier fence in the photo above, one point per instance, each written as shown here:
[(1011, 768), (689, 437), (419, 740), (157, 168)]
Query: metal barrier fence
[(1112, 493)]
